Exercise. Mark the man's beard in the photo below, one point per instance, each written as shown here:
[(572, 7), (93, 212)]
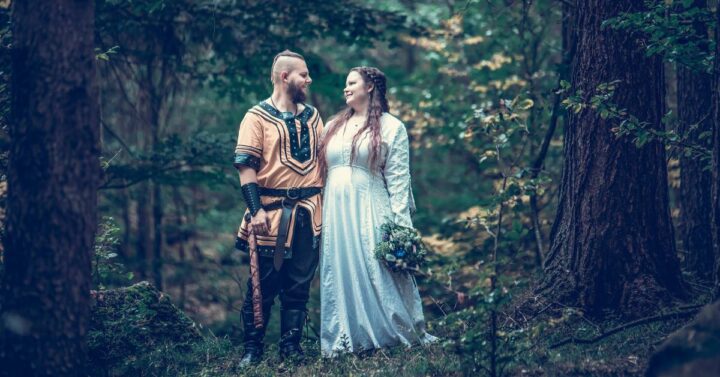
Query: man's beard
[(296, 93)]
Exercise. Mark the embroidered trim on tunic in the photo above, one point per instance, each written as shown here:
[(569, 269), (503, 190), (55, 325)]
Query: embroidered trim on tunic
[(286, 138), (300, 151)]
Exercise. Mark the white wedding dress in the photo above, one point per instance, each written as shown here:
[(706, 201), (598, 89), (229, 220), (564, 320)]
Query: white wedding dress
[(363, 304)]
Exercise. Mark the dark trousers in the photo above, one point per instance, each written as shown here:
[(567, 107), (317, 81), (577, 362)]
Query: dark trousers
[(293, 280)]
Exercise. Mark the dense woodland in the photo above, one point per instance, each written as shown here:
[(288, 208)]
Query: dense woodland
[(565, 163)]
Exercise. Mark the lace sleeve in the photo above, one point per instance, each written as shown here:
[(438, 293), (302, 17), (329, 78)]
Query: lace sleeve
[(397, 178)]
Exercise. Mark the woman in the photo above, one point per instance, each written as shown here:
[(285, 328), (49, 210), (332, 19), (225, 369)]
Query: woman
[(365, 155)]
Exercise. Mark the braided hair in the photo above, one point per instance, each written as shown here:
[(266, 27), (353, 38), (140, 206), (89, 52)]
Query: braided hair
[(377, 105)]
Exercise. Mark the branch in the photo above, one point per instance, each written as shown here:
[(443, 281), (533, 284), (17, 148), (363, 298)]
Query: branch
[(681, 313), (126, 96), (149, 175), (120, 140)]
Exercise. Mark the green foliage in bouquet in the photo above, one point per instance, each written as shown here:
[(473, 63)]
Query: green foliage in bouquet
[(401, 248)]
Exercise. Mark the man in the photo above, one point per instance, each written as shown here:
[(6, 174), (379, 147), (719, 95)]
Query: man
[(276, 157)]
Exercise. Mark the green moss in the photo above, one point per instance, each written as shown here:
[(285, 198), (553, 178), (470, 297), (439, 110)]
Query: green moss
[(134, 327)]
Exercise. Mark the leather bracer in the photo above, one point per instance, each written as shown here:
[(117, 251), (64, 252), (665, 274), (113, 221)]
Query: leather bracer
[(252, 197)]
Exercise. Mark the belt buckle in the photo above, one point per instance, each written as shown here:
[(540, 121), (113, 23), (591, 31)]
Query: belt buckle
[(288, 193)]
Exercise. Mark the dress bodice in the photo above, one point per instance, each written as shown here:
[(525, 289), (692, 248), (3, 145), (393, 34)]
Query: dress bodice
[(391, 179)]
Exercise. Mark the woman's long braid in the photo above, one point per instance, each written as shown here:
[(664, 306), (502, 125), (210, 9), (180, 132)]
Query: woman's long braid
[(377, 78), (377, 105)]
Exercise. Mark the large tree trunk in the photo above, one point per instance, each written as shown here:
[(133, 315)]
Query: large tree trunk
[(694, 107), (612, 244), (53, 177), (716, 161)]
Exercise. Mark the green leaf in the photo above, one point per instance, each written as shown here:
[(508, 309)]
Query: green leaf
[(525, 104)]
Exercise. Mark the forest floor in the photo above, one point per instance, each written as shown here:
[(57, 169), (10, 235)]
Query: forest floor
[(141, 333), (525, 351), (624, 354)]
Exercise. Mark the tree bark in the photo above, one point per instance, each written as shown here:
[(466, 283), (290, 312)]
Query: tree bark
[(538, 165), (144, 240), (612, 244), (158, 236), (53, 176), (716, 161), (694, 107)]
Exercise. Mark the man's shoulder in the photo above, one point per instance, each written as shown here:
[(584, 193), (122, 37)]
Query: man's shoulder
[(253, 111), (259, 108), (257, 113)]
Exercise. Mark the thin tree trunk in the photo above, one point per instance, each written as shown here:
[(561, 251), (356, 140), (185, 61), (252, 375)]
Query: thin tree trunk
[(152, 112), (146, 211), (181, 215), (125, 244), (157, 261), (53, 175), (694, 106), (143, 241), (612, 245)]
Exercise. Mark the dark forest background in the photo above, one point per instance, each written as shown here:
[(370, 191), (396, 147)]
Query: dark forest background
[(565, 159)]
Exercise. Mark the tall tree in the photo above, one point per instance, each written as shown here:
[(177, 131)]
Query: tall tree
[(694, 107), (53, 176), (612, 244), (716, 160)]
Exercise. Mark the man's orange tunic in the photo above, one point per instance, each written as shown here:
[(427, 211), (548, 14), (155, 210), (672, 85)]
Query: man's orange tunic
[(284, 154)]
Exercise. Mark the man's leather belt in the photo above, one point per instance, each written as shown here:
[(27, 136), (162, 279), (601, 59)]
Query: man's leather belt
[(290, 198)]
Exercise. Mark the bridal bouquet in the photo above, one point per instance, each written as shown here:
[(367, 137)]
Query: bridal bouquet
[(401, 248)]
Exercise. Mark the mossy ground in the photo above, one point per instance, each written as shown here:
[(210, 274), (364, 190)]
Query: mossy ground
[(157, 342)]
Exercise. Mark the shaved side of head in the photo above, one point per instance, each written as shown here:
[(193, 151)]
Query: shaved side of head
[(285, 64), (286, 61)]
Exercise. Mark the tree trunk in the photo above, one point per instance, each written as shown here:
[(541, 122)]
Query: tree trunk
[(612, 244), (144, 240), (125, 244), (151, 113), (53, 177), (181, 216), (538, 165), (694, 107), (716, 161), (157, 260)]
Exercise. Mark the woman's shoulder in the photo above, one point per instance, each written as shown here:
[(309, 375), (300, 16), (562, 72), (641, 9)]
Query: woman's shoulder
[(391, 124), (331, 123)]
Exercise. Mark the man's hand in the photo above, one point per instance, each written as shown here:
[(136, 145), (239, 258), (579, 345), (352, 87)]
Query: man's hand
[(260, 223)]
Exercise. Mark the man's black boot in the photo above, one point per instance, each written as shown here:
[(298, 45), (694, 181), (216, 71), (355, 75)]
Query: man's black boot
[(253, 338), (291, 325)]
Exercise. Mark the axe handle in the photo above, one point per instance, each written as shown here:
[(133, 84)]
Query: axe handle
[(255, 279)]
